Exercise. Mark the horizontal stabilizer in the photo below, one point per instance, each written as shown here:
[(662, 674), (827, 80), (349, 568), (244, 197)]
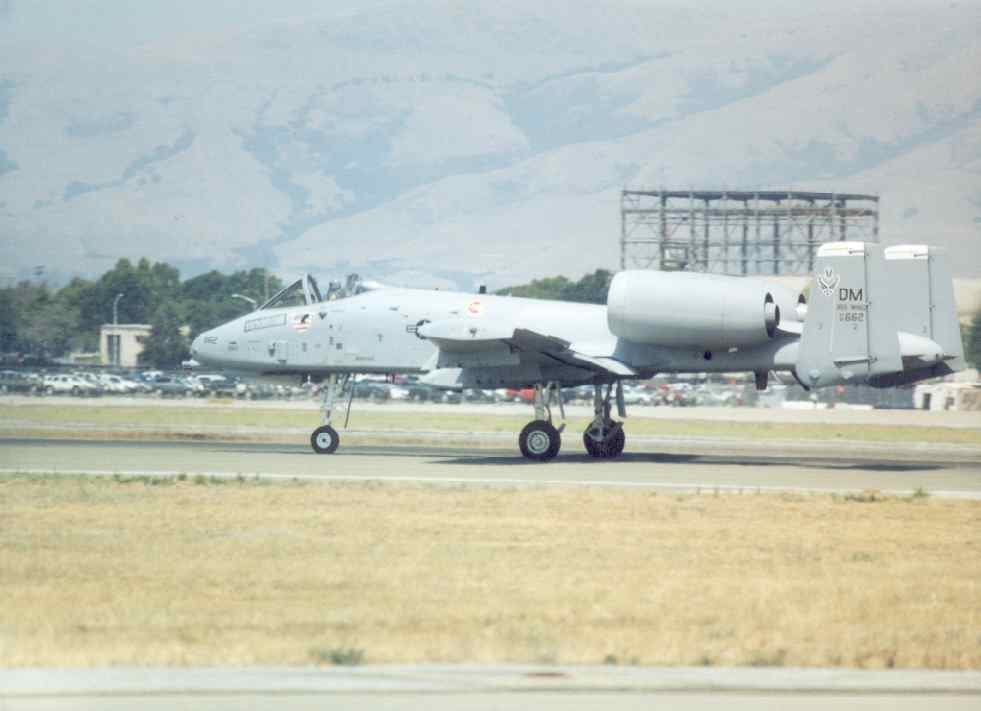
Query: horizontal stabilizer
[(794, 328), (924, 350)]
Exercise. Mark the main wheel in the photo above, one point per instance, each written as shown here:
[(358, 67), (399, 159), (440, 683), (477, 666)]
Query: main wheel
[(615, 444), (593, 447), (539, 441), (324, 440), (609, 448)]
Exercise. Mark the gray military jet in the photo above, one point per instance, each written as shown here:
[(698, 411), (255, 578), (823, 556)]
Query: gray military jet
[(877, 316)]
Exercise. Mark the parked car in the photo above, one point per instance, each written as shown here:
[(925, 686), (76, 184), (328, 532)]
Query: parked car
[(207, 384), (478, 395), (68, 384), (16, 381), (171, 386), (633, 395), (420, 392), (118, 385), (371, 390)]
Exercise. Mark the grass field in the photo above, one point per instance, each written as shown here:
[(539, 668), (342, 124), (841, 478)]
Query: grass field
[(177, 419), (198, 571)]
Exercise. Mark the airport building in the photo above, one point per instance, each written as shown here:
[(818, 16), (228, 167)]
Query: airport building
[(121, 343)]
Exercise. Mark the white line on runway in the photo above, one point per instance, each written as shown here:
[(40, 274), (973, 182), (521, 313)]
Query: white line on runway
[(476, 678), (694, 487)]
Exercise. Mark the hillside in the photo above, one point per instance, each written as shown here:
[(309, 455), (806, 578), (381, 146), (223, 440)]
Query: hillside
[(446, 143)]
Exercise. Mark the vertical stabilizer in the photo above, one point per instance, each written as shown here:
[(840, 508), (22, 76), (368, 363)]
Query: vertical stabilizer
[(850, 334), (923, 291)]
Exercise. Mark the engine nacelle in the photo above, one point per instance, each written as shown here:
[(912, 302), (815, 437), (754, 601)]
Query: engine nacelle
[(688, 309)]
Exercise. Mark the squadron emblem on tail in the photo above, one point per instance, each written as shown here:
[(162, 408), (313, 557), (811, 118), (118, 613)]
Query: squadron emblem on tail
[(828, 280)]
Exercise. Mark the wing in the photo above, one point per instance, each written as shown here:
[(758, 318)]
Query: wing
[(469, 344)]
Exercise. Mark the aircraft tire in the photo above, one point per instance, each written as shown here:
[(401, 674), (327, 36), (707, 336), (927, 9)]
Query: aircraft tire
[(611, 448), (593, 448), (614, 446), (539, 441), (324, 440)]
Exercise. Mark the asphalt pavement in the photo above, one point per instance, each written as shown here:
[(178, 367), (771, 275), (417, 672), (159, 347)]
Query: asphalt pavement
[(695, 465), (485, 687)]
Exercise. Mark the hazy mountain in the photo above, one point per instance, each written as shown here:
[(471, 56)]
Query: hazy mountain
[(446, 142)]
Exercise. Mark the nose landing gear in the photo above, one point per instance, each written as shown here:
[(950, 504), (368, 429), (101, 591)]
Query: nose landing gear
[(325, 439)]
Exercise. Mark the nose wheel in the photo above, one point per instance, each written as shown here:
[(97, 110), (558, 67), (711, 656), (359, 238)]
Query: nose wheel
[(325, 440)]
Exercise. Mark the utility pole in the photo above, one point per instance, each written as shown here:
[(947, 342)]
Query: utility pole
[(115, 308)]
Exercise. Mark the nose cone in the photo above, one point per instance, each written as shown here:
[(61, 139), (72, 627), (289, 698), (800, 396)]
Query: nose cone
[(201, 347)]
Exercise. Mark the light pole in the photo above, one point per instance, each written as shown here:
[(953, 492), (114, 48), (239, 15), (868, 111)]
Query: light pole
[(115, 308), (243, 297)]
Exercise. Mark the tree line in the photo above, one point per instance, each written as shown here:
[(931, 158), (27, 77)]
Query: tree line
[(590, 289), (44, 323)]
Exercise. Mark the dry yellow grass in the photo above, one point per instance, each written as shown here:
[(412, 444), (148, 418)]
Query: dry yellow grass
[(98, 572)]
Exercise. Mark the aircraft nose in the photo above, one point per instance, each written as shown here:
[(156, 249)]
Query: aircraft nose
[(200, 350)]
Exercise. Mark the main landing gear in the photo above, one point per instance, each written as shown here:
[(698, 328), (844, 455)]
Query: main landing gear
[(604, 438), (325, 439)]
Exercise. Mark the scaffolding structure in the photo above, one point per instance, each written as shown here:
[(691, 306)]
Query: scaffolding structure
[(738, 231)]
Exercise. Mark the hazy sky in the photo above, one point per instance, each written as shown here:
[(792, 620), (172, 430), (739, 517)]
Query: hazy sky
[(121, 24), (402, 138)]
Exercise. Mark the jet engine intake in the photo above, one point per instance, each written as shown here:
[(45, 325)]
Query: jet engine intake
[(686, 309)]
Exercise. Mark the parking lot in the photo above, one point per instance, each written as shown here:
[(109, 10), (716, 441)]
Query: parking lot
[(87, 383)]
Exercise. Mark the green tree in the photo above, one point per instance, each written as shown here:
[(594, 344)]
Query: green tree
[(8, 321), (591, 289), (166, 346), (208, 301), (49, 329), (145, 287), (70, 298), (972, 344)]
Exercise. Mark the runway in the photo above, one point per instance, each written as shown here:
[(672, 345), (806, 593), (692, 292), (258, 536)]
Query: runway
[(486, 687), (699, 466)]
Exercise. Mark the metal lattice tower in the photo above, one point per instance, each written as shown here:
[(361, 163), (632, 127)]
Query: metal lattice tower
[(737, 231)]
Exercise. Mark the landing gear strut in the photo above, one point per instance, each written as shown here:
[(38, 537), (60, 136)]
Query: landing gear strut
[(604, 437), (540, 440), (325, 439)]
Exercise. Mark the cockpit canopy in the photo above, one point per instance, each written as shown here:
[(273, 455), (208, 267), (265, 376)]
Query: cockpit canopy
[(304, 292)]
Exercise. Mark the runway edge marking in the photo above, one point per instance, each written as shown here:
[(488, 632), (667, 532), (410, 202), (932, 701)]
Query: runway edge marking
[(627, 484)]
